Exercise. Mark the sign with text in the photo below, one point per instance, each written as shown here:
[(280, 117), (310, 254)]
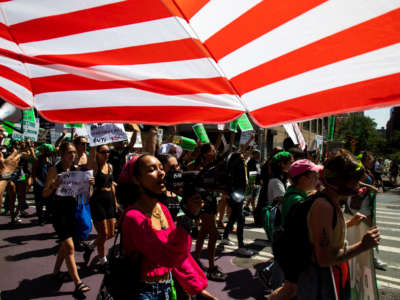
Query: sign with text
[(245, 136), (31, 130), (74, 183), (106, 133)]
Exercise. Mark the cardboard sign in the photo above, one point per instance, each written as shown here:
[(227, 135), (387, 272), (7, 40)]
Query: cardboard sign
[(30, 129), (361, 267), (74, 183), (244, 123), (245, 136), (106, 133)]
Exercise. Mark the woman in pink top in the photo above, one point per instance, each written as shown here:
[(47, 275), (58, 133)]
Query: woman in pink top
[(149, 229)]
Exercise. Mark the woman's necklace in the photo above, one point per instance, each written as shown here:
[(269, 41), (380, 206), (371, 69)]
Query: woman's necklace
[(157, 214)]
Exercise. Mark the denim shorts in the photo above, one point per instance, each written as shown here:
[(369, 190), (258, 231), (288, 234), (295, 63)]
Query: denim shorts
[(154, 291)]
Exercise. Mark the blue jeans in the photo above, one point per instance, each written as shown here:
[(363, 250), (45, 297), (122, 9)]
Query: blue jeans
[(154, 291)]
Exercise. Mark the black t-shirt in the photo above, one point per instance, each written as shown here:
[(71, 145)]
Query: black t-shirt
[(117, 159)]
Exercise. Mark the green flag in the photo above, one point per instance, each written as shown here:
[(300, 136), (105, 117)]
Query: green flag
[(29, 115), (331, 130), (201, 133)]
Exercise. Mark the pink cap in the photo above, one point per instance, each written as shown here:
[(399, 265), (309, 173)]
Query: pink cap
[(303, 165), (127, 170)]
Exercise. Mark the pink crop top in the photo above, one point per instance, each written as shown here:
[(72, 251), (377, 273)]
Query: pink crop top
[(163, 250)]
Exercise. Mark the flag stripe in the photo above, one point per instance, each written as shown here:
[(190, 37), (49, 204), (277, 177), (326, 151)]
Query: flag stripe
[(159, 115), (359, 39), (4, 33), (160, 86), (157, 31), (19, 92), (26, 10), (212, 11), (159, 52), (386, 62), (259, 20), (129, 97), (377, 92), (310, 27), (14, 76), (66, 24), (12, 98), (191, 7)]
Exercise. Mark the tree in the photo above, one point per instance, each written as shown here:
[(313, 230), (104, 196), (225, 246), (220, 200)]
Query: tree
[(362, 129)]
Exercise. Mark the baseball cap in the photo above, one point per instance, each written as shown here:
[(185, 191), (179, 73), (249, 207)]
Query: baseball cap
[(303, 165)]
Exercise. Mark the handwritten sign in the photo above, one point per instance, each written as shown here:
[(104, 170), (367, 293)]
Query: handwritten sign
[(74, 183), (106, 133)]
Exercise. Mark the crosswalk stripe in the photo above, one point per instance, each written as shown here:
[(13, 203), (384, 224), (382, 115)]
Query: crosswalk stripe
[(387, 278), (382, 228), (379, 217), (388, 285), (389, 223), (389, 249), (390, 238), (389, 212)]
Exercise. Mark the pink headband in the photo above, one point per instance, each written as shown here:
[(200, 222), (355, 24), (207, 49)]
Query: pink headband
[(127, 170)]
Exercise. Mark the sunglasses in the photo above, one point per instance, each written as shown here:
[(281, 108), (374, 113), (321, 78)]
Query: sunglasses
[(82, 143), (104, 152)]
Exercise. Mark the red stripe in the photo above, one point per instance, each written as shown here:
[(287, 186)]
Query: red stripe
[(190, 7), (160, 52), (262, 18), (14, 76), (166, 115), (4, 33), (14, 100), (365, 37), (106, 16), (378, 92), (174, 10), (70, 82)]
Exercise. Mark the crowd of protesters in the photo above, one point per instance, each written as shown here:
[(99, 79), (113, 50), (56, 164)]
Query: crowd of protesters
[(161, 220)]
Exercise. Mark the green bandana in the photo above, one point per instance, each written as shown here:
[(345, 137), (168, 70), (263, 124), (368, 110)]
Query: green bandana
[(280, 156)]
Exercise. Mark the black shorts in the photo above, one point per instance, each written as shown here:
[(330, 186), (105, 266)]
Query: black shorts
[(210, 205), (102, 206), (64, 217)]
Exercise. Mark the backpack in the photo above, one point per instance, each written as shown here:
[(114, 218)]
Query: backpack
[(291, 244), (122, 274)]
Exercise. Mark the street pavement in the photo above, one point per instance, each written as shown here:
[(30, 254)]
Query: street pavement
[(27, 256)]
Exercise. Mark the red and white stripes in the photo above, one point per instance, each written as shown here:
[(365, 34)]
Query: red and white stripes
[(175, 61)]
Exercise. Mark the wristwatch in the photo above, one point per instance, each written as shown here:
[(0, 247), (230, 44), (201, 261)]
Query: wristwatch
[(5, 176)]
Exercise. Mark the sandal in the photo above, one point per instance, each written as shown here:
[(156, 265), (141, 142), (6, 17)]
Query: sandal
[(81, 288), (215, 274)]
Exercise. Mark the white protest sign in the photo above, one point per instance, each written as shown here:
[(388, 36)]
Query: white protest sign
[(290, 131), (361, 267), (221, 127), (299, 136), (74, 183), (160, 133), (31, 130), (245, 136), (54, 135), (138, 142), (106, 133)]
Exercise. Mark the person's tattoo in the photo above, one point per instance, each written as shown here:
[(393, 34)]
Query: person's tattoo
[(324, 241)]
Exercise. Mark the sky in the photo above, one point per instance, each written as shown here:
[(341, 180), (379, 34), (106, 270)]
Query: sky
[(380, 116)]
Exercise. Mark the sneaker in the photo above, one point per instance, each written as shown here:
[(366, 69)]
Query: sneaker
[(380, 265), (16, 221), (215, 274), (245, 252), (227, 242)]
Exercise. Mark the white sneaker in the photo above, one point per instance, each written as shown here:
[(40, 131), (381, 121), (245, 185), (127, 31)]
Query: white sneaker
[(245, 252), (227, 242)]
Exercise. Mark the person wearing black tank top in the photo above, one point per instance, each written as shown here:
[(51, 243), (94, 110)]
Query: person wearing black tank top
[(103, 204), (64, 217)]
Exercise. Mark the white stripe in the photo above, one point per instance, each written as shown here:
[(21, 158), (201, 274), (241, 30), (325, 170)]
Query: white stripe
[(257, 230), (390, 238), (387, 212), (387, 278), (382, 62), (13, 64), (381, 228), (37, 71), (381, 204), (157, 31), (16, 89), (384, 217), (217, 14), (322, 21), (388, 284), (388, 223), (8, 45), (195, 68), (128, 97), (389, 249), (18, 11)]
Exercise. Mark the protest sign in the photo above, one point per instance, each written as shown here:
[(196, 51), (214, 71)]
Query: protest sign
[(299, 136), (244, 123), (201, 133), (160, 133), (221, 127), (74, 183), (30, 130), (29, 115), (138, 142), (105, 133), (233, 126), (245, 136), (290, 131), (361, 267)]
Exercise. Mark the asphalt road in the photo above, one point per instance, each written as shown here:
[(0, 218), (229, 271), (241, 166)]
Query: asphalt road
[(27, 255)]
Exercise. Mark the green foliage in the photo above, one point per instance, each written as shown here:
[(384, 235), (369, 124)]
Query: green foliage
[(363, 130)]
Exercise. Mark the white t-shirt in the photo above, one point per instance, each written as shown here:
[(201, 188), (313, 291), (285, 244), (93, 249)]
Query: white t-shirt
[(275, 189)]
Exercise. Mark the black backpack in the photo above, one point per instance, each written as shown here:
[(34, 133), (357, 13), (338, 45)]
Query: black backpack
[(291, 244), (121, 276)]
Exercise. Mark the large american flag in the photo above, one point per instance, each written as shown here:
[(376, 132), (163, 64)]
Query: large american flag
[(166, 61)]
